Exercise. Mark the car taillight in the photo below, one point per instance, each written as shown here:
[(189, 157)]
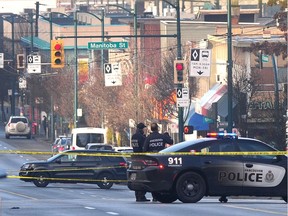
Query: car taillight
[(123, 164), (150, 162), (73, 148), (8, 124), (61, 148)]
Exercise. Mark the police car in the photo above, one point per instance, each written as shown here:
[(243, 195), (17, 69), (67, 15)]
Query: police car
[(219, 165)]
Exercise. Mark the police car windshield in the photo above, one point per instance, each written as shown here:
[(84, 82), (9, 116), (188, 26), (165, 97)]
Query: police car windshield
[(183, 145)]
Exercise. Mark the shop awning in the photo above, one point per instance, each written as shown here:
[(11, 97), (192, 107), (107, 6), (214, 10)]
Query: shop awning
[(222, 105), (212, 96), (198, 121)]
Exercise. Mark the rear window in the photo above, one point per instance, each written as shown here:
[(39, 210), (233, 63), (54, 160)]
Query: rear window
[(101, 147), (15, 120), (83, 139)]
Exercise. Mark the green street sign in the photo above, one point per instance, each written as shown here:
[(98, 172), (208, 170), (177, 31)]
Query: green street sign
[(265, 58), (107, 45)]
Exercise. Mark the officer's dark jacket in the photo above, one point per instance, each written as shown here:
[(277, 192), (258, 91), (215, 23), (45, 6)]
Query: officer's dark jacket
[(138, 140), (155, 142)]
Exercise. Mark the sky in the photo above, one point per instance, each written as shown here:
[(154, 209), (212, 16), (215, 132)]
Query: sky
[(17, 6)]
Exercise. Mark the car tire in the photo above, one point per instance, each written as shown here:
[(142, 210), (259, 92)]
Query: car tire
[(7, 136), (20, 126), (40, 180), (105, 181), (190, 187), (165, 197)]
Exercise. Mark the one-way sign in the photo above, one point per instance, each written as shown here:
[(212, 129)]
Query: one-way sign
[(200, 64)]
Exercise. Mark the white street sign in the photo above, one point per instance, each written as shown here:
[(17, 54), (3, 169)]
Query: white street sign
[(22, 83), (34, 64), (182, 97), (1, 60), (200, 64), (9, 92), (113, 74)]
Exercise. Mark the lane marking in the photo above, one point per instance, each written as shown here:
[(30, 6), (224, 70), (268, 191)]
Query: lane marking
[(256, 210), (112, 213), (17, 194), (90, 208)]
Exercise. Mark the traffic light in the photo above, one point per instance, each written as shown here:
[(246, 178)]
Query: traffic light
[(259, 63), (20, 61), (57, 54), (188, 129), (179, 71)]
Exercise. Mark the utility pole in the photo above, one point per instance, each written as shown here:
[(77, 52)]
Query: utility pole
[(229, 67), (75, 70), (36, 18)]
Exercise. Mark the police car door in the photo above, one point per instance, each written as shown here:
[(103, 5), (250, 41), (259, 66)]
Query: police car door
[(263, 174), (223, 172)]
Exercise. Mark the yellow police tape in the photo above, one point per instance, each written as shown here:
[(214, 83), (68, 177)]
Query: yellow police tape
[(147, 153), (66, 179)]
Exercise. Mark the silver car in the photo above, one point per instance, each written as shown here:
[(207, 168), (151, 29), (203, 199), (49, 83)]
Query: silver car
[(17, 126)]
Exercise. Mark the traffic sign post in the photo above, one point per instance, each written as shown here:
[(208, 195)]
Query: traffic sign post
[(22, 83), (1, 60), (107, 45), (182, 97), (34, 64), (113, 75), (200, 64)]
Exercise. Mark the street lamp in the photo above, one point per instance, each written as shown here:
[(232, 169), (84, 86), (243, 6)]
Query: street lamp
[(12, 21), (136, 74), (76, 58)]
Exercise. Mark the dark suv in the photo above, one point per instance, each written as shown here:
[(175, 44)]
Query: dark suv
[(78, 166)]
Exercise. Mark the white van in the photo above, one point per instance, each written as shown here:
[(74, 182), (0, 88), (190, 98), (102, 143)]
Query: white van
[(80, 137)]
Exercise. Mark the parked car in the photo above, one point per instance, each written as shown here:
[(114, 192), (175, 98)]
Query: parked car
[(62, 143), (17, 126), (77, 166), (99, 146), (219, 165)]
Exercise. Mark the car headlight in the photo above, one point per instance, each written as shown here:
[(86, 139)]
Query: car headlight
[(27, 166)]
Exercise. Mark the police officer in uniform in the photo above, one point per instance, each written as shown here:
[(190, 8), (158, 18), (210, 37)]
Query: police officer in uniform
[(137, 142), (155, 141)]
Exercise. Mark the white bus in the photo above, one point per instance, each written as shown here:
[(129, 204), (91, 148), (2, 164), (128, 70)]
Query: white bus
[(80, 137)]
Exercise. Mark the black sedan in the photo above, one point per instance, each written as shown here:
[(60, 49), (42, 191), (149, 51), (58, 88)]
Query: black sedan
[(79, 166), (239, 166)]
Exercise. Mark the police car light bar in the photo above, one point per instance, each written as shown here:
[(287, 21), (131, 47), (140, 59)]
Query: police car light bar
[(223, 135)]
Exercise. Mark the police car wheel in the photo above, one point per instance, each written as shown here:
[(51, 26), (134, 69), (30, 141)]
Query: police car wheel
[(190, 187), (105, 181), (165, 197), (41, 180)]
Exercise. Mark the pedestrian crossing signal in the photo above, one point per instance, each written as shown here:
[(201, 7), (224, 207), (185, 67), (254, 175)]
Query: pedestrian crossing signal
[(188, 129)]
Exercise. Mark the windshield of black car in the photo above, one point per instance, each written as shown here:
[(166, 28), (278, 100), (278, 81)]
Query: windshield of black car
[(183, 145)]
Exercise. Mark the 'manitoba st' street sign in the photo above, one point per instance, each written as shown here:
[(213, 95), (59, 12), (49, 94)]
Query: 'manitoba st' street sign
[(107, 45)]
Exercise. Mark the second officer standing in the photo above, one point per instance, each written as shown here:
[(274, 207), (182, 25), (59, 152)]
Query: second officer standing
[(137, 142)]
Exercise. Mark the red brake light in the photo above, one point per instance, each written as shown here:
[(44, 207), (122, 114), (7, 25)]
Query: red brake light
[(123, 164), (150, 162)]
